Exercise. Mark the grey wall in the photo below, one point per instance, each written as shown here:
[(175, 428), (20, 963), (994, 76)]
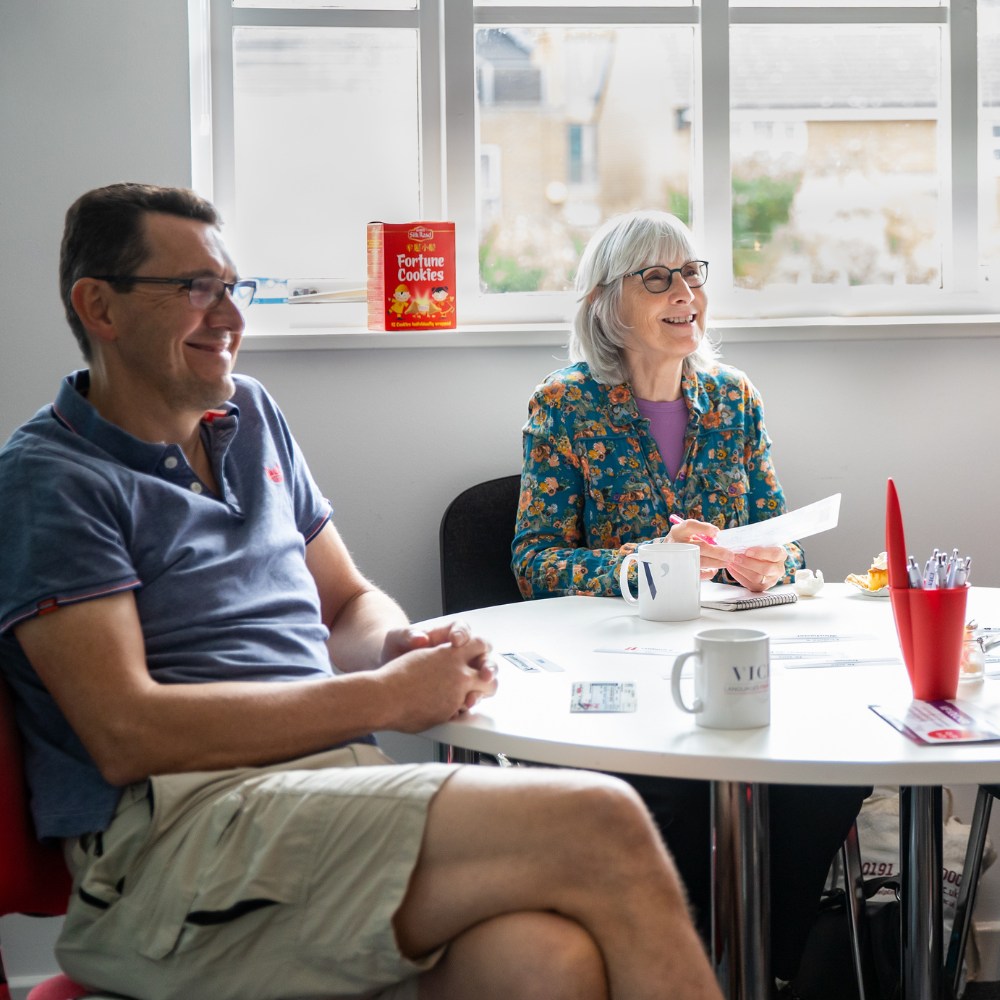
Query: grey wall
[(96, 92)]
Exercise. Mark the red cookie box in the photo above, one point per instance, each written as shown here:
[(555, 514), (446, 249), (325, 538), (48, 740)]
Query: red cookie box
[(411, 276)]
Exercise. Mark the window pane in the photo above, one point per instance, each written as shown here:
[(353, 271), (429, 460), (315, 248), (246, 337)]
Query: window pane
[(575, 125), (334, 4), (584, 3), (835, 155), (326, 141), (989, 88), (821, 4)]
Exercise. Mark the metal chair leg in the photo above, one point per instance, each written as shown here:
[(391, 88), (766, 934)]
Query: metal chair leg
[(854, 897), (967, 890)]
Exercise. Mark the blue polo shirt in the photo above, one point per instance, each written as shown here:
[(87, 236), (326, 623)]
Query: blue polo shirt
[(221, 583)]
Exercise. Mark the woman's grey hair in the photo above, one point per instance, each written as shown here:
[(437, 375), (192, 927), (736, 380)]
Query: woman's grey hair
[(624, 244)]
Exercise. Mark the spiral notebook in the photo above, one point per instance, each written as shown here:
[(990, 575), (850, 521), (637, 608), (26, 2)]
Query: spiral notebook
[(721, 597)]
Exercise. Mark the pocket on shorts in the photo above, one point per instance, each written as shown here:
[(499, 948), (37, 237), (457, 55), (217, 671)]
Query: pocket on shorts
[(248, 850)]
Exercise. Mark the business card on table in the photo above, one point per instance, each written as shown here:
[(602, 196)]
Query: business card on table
[(935, 722), (603, 696), (531, 662)]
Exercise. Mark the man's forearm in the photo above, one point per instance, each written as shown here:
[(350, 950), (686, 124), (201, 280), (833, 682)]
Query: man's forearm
[(357, 634)]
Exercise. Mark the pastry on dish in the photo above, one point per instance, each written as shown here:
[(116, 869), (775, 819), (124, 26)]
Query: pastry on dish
[(877, 576)]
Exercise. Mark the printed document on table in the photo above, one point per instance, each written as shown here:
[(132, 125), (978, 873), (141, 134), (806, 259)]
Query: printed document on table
[(809, 520)]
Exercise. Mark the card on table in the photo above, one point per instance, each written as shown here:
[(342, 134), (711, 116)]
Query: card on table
[(531, 662), (932, 722), (603, 696)]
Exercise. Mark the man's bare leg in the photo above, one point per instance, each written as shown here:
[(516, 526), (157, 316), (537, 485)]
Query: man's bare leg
[(519, 956), (579, 844)]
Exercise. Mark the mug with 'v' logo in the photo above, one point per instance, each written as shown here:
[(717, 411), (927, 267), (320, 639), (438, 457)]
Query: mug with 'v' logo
[(669, 579)]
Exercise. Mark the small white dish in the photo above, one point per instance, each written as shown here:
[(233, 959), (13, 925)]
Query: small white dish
[(864, 591), (808, 583)]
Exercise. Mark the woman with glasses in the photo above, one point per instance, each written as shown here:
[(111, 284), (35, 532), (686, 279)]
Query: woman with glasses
[(644, 426), (647, 435)]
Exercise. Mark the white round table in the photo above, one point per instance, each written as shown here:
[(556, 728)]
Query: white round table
[(822, 731)]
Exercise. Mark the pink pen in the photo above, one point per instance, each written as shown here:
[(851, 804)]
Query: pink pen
[(674, 519)]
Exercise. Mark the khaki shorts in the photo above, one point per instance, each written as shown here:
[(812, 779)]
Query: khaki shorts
[(255, 883)]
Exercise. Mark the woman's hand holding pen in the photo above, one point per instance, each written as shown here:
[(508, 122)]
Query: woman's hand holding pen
[(700, 533)]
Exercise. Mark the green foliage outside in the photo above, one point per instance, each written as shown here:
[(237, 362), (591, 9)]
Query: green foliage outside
[(501, 273), (679, 204), (760, 205)]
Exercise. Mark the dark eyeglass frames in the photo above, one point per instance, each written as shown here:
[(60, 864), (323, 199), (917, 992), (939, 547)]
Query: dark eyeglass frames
[(658, 277), (203, 292)]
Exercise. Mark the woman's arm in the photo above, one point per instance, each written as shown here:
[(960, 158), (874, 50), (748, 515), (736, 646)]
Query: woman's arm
[(557, 550), (550, 553)]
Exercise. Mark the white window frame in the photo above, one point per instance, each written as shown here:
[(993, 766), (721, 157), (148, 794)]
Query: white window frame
[(449, 162)]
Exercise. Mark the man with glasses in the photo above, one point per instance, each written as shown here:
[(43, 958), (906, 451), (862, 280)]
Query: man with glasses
[(174, 600)]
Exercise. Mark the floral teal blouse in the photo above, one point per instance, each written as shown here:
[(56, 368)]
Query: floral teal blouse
[(594, 484)]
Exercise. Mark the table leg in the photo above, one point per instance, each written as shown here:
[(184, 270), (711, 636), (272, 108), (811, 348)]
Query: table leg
[(920, 855), (741, 890)]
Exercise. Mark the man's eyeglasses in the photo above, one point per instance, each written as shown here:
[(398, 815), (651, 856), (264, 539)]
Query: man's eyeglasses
[(657, 277), (203, 292)]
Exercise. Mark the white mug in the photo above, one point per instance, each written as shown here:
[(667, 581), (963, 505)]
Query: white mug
[(669, 581), (732, 679)]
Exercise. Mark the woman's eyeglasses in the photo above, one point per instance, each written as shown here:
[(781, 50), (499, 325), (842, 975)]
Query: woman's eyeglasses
[(657, 277)]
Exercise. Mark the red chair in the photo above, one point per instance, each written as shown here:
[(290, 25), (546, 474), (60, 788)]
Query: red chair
[(33, 876)]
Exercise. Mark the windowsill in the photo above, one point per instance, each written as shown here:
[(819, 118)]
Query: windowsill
[(810, 329)]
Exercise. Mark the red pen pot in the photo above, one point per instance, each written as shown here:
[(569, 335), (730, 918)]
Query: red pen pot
[(931, 625)]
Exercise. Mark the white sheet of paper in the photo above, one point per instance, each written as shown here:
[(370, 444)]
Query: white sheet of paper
[(809, 520)]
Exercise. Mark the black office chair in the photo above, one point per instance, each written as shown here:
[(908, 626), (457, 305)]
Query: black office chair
[(971, 871), (476, 531)]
